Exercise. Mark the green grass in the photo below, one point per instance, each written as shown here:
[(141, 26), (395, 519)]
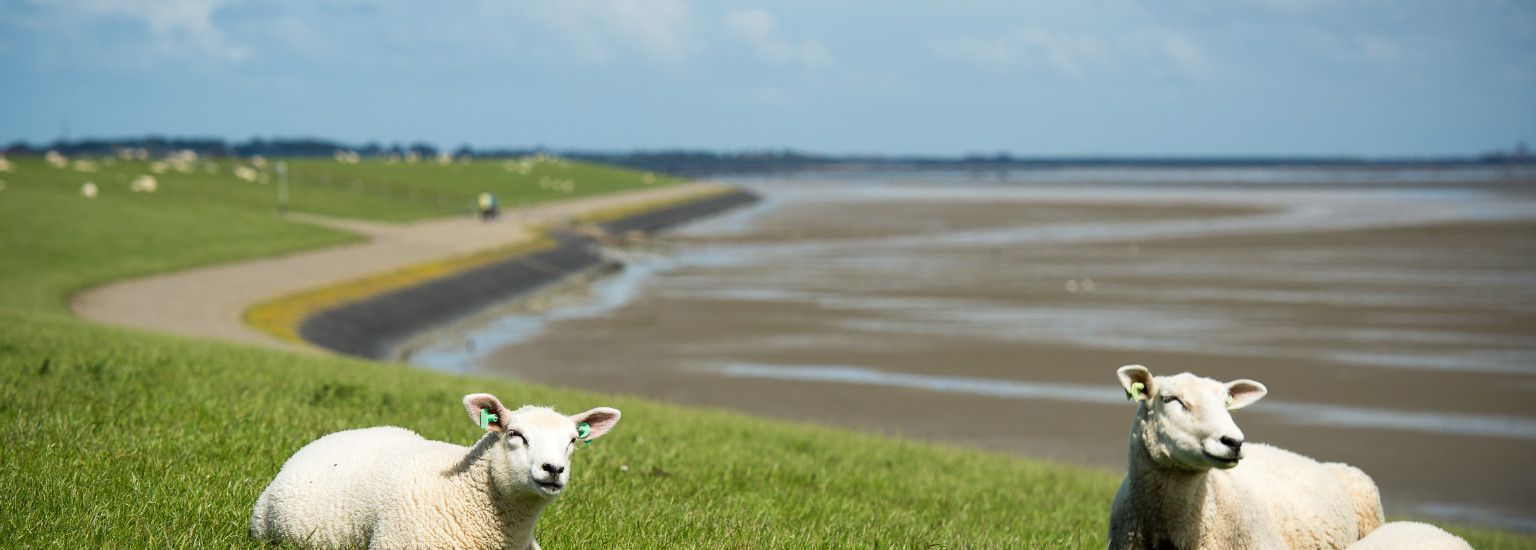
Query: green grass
[(118, 437), (402, 192), (125, 437), (54, 242), (202, 218)]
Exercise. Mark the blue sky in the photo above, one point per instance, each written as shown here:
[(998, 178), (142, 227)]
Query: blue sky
[(1086, 77)]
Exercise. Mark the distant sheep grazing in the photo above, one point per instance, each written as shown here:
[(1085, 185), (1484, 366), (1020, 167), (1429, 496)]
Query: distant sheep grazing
[(144, 184), (1184, 487), (246, 173), (389, 488), (1410, 535)]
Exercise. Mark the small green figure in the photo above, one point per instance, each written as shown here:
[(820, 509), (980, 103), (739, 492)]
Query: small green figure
[(582, 430), (486, 418)]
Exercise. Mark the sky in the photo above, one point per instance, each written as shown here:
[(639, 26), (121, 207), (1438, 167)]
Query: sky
[(891, 77)]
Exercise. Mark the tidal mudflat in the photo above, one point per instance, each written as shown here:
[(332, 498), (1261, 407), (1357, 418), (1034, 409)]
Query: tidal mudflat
[(1395, 324)]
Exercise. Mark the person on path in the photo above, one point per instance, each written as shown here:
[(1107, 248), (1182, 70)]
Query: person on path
[(488, 210)]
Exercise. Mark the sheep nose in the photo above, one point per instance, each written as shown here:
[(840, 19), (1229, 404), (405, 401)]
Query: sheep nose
[(553, 469), (1234, 443)]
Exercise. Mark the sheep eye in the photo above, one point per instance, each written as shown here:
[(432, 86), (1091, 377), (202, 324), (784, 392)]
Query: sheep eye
[(1172, 399), (519, 435)]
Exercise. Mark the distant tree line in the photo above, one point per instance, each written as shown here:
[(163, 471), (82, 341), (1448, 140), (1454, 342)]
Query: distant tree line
[(700, 162), (217, 147)]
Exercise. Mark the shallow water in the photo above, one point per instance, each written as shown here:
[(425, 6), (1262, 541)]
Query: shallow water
[(1311, 414), (1385, 318), (875, 284)]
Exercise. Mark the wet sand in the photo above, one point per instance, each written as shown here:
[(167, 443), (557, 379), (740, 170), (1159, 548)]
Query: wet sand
[(1396, 330), (379, 326)]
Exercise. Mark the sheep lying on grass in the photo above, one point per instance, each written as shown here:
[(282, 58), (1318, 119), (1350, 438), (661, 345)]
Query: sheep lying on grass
[(390, 488), (1186, 489), (1401, 535)]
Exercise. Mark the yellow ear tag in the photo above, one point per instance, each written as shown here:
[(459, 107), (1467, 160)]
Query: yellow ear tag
[(1136, 389)]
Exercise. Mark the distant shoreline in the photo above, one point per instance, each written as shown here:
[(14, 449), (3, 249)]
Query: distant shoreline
[(695, 162)]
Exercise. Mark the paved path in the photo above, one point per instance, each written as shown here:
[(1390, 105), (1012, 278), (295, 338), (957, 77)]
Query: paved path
[(208, 302)]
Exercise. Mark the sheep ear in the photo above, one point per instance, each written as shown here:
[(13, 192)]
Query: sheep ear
[(476, 402), (1243, 393), (1137, 381), (600, 419)]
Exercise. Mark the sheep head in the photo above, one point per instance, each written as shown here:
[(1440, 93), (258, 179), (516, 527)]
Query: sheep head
[(1184, 421), (536, 442)]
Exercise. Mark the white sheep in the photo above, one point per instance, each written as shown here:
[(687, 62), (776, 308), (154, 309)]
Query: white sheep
[(1405, 535), (387, 487), (144, 184), (89, 190), (246, 173), (184, 161), (1193, 483)]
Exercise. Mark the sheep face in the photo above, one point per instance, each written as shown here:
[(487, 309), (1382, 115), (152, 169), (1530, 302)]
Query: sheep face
[(1184, 421), (536, 442)]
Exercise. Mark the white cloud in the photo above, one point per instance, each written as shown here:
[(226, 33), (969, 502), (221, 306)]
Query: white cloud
[(176, 25), (1358, 48), (1080, 55), (759, 30), (998, 54), (300, 36), (1182, 52), (661, 29)]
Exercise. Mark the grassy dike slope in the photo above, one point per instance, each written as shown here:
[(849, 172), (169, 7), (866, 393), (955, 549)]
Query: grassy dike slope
[(117, 437)]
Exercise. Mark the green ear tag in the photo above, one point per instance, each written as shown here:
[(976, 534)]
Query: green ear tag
[(486, 418), (1136, 389), (582, 430)]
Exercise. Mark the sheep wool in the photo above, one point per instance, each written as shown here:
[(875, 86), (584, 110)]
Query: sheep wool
[(388, 487), (144, 184), (1410, 535), (1193, 483)]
